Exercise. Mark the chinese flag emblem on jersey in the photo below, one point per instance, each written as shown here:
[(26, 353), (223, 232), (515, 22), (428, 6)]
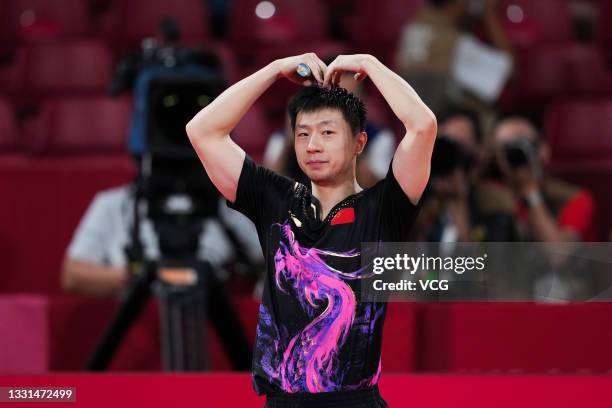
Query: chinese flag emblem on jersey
[(344, 216)]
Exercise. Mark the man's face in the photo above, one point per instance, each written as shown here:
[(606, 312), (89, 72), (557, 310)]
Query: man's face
[(325, 147), (514, 130)]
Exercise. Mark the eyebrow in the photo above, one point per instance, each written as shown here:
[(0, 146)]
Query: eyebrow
[(324, 122)]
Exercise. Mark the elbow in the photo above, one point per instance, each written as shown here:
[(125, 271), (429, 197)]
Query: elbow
[(425, 127), (70, 277), (190, 130), (430, 125), (194, 128), (429, 118), (424, 124), (196, 132)]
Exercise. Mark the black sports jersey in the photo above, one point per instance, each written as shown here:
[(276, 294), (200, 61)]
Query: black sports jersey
[(313, 335)]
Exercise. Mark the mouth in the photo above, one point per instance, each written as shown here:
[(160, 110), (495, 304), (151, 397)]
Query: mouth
[(315, 162)]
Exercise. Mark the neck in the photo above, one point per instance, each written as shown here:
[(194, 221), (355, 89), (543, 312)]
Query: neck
[(330, 194)]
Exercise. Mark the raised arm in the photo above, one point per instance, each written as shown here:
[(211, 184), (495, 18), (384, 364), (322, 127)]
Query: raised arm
[(209, 130), (412, 159)]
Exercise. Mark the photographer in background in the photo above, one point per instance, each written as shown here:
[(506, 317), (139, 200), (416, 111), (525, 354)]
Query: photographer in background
[(547, 209), (438, 42), (458, 207)]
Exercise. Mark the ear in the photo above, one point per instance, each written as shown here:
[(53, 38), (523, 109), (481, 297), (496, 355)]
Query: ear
[(361, 140)]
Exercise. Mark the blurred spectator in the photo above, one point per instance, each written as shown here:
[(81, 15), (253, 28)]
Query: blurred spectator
[(464, 127), (584, 17), (440, 58), (96, 261), (547, 209), (458, 207)]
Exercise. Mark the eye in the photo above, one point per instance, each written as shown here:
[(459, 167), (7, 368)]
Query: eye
[(328, 132), (302, 134)]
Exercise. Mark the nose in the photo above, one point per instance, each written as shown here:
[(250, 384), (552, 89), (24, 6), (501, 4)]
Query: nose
[(314, 144)]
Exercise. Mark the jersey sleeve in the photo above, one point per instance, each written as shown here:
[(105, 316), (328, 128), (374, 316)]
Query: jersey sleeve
[(260, 191), (396, 212)]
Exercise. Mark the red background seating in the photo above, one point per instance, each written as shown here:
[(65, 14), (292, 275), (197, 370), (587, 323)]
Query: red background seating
[(9, 140), (42, 202), (580, 135), (27, 20), (93, 125)]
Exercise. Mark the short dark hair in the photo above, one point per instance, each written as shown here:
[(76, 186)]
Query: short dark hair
[(314, 98), (532, 119), (461, 112)]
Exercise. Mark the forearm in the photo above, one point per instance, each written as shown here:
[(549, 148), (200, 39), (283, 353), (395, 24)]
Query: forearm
[(543, 225), (402, 99), (92, 279), (222, 115)]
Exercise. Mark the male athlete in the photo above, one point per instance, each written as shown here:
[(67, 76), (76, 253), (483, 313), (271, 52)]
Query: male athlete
[(317, 345)]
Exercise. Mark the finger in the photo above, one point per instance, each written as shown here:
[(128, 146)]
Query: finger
[(307, 82), (360, 76), (337, 77), (332, 79), (341, 78), (330, 82), (328, 75), (319, 60), (322, 68), (316, 71), (313, 63), (319, 63)]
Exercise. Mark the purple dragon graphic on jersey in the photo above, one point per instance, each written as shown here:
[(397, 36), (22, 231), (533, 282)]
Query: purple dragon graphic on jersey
[(308, 363)]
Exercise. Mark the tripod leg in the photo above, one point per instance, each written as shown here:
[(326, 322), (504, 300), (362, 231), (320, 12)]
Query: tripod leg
[(135, 301), (223, 315)]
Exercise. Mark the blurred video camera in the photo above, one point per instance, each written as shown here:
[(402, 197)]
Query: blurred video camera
[(520, 153), (170, 85)]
